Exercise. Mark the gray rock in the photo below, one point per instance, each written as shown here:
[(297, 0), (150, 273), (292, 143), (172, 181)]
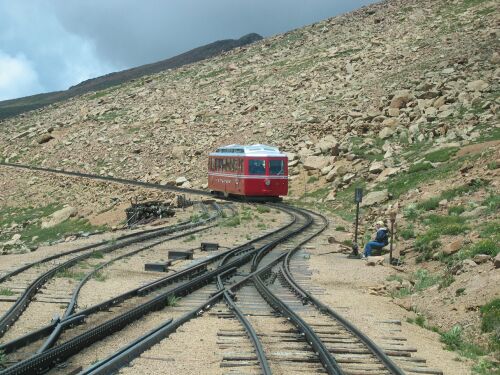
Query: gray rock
[(401, 98), (180, 180), (496, 261), (376, 167), (316, 162), (58, 217), (385, 133), (481, 258), (478, 85), (375, 197), (476, 212)]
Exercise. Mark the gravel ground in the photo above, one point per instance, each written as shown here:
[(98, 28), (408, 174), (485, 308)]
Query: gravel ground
[(192, 349), (346, 283)]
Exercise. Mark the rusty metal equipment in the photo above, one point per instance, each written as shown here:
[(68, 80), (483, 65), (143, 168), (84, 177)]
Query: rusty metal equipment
[(139, 213), (209, 246)]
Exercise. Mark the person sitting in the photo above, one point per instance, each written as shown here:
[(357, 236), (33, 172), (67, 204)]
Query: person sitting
[(381, 239)]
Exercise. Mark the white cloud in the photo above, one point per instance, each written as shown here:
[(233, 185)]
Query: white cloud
[(17, 77)]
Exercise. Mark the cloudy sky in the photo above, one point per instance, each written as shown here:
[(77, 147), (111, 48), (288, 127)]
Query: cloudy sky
[(48, 45)]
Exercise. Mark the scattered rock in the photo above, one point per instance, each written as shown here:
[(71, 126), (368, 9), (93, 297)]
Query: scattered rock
[(496, 261), (453, 247), (45, 138), (375, 260), (376, 167), (316, 162), (375, 197), (476, 212), (401, 98), (180, 180), (481, 258), (478, 85), (58, 217)]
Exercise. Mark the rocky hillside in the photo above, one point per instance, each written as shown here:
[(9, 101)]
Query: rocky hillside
[(400, 97), (16, 106)]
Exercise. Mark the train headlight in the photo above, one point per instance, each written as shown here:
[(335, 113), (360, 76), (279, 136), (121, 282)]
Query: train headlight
[(267, 182)]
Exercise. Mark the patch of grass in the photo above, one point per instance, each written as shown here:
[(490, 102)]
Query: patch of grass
[(30, 218), (490, 229), (429, 204), (100, 276), (492, 202), (261, 226), (261, 209), (3, 359), (492, 165), (419, 167), (456, 210), (312, 179), (70, 274), (460, 292), (464, 189), (410, 212), (97, 254), (408, 232), (420, 320), (340, 228), (172, 300), (441, 155), (231, 222), (454, 340), (6, 292), (190, 238), (490, 316), (395, 277)]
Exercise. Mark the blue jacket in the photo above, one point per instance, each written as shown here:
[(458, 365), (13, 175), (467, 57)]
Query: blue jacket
[(382, 236)]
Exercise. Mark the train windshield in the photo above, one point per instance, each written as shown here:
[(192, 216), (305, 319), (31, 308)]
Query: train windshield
[(257, 166), (276, 167)]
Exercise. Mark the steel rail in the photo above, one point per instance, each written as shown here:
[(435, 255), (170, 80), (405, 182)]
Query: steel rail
[(24, 300), (127, 353), (188, 272), (43, 361), (308, 297), (108, 179), (252, 334)]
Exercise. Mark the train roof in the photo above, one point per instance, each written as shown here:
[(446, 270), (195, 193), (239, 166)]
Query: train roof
[(248, 150)]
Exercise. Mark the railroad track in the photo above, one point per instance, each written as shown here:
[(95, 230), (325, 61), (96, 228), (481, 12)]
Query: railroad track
[(306, 337)]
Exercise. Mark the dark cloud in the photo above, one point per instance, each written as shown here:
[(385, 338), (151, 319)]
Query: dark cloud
[(64, 42)]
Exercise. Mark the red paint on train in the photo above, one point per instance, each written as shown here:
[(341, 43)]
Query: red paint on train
[(253, 171)]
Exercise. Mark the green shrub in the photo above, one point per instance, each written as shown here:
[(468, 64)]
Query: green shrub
[(419, 167), (441, 155), (411, 212), (99, 276), (263, 209), (490, 316), (312, 179), (6, 292), (172, 300), (340, 228), (486, 246), (97, 254), (473, 186), (420, 320), (492, 202), (453, 338), (231, 222), (190, 238), (408, 232), (455, 210), (429, 204)]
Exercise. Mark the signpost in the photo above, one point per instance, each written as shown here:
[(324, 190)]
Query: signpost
[(358, 198)]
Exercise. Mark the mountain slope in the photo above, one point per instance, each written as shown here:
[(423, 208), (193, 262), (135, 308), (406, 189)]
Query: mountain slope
[(16, 106)]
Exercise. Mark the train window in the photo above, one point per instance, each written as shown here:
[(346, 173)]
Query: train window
[(257, 167), (277, 167)]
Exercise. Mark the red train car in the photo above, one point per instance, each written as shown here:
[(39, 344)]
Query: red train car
[(251, 171)]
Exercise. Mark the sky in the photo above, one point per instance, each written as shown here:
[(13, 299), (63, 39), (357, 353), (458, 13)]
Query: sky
[(49, 45)]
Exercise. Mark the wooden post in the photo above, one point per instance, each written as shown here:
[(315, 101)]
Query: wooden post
[(393, 219)]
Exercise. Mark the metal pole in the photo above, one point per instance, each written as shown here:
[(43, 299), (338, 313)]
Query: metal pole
[(356, 226)]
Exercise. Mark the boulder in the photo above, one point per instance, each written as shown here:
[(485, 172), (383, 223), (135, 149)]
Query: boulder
[(476, 212), (292, 156), (376, 167), (14, 240), (180, 180), (496, 261), (385, 133), (45, 138), (478, 85), (375, 197), (328, 146), (401, 98), (375, 260), (481, 258), (453, 247), (386, 173), (58, 217), (316, 162)]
